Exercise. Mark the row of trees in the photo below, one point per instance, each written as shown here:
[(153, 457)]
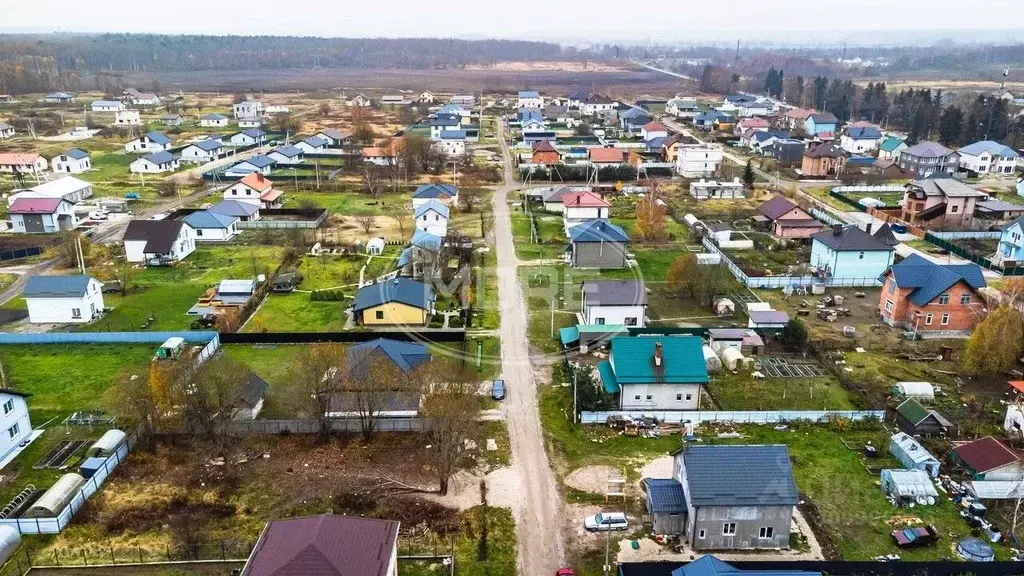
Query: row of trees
[(178, 397)]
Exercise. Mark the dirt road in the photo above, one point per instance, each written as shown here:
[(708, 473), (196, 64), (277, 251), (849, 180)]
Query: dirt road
[(540, 548)]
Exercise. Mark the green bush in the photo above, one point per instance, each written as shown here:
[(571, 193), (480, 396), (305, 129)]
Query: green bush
[(327, 296)]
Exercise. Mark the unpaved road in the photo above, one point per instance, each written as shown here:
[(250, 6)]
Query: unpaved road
[(538, 522)]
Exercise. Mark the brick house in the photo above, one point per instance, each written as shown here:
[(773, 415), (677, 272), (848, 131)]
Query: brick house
[(545, 153), (823, 160), (940, 202), (920, 295)]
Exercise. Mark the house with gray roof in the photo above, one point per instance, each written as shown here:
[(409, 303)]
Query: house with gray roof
[(74, 161), (6, 130), (926, 158), (728, 506), (63, 299), (849, 252), (432, 217), (988, 157), (244, 211), (259, 163), (203, 151), (334, 137), (155, 163), (614, 302), (286, 155), (213, 120), (211, 226), (149, 142), (938, 202), (312, 145)]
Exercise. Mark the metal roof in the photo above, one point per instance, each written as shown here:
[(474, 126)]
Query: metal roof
[(434, 205), (890, 144), (56, 286), (910, 449), (927, 150), (997, 489), (721, 475), (206, 219), (214, 116), (864, 133), (529, 94), (916, 413), (435, 191), (405, 355), (993, 148), (775, 207), (158, 137), (161, 157), (35, 205), (985, 454), (208, 145), (404, 290), (710, 566), (315, 141), (58, 188), (614, 293), (76, 154), (597, 231), (665, 496), (929, 279), (159, 235), (426, 241), (682, 360), (768, 317), (235, 208), (851, 238), (288, 151)]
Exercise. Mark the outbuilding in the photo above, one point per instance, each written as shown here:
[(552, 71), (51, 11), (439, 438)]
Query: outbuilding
[(912, 455), (913, 418), (106, 445), (54, 500), (909, 486), (987, 459), (666, 505)]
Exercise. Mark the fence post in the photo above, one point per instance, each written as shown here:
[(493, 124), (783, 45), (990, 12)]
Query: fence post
[(56, 558), (112, 560), (85, 559), (139, 548)]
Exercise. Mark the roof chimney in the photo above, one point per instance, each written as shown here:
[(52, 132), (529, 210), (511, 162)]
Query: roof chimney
[(869, 226), (657, 354), (837, 230)]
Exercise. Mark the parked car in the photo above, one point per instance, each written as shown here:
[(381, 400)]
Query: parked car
[(603, 521), (915, 536), (498, 389), (97, 215)]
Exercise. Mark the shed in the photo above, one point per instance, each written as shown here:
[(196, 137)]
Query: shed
[(731, 358), (711, 360), (909, 486), (10, 540), (375, 246), (106, 445), (912, 455), (666, 505), (172, 348), (918, 390), (913, 418), (57, 497), (724, 307), (987, 459)]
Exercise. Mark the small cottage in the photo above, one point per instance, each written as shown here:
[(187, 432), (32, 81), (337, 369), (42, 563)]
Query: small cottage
[(63, 299)]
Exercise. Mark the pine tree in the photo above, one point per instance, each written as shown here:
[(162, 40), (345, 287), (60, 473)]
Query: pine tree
[(748, 174), (950, 125)]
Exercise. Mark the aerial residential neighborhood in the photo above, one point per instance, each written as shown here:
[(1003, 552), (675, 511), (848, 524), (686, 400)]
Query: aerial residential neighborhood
[(304, 305)]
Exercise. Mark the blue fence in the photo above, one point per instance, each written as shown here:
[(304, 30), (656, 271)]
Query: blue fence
[(106, 337)]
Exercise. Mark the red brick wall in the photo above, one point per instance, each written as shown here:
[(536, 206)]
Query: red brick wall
[(962, 317), (546, 157)]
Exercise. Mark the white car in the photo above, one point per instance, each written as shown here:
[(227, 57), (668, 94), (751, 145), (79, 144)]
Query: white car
[(603, 521), (97, 215)]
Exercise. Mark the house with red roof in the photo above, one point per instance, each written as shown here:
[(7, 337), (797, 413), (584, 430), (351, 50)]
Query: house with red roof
[(25, 163), (752, 123), (255, 189), (606, 156), (787, 220), (987, 459), (544, 152), (653, 129), (42, 215), (585, 206), (325, 545)]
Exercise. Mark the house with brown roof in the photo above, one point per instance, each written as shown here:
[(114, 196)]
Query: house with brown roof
[(653, 129), (378, 156), (940, 203), (606, 156), (796, 117), (25, 163), (787, 220), (325, 545), (158, 242), (544, 152), (823, 160), (987, 459)]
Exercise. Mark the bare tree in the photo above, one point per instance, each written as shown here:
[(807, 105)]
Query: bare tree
[(372, 379), (207, 397), (315, 378), (188, 532), (401, 227), (452, 407), (131, 398), (373, 180), (468, 198), (324, 109), (366, 221)]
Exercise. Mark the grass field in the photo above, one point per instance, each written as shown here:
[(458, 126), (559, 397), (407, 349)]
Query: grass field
[(742, 392), (295, 312)]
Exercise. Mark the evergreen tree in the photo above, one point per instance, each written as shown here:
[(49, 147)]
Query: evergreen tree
[(748, 174), (950, 125)]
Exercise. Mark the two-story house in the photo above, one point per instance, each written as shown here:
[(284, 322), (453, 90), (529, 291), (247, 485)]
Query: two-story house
[(255, 189), (923, 296), (158, 242), (432, 216), (821, 123), (655, 373), (74, 161), (682, 107), (585, 205), (926, 158), (248, 109), (823, 160), (697, 159), (988, 157), (529, 99), (849, 252), (891, 148), (940, 202), (861, 139), (1011, 243), (606, 302), (15, 424)]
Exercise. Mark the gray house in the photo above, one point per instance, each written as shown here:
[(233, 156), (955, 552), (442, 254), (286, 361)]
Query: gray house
[(737, 497), (926, 158), (597, 244)]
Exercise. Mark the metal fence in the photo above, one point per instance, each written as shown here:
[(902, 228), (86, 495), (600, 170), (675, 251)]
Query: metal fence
[(196, 337), (312, 219), (968, 234), (309, 337), (783, 281), (967, 254), (54, 525), (749, 417), (20, 253), (826, 217), (242, 427)]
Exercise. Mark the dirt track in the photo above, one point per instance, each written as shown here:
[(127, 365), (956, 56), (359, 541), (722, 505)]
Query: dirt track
[(540, 548)]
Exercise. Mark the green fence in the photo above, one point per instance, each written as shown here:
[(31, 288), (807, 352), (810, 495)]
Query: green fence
[(968, 254)]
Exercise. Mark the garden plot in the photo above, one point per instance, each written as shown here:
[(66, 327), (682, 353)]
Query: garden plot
[(60, 454), (775, 367)]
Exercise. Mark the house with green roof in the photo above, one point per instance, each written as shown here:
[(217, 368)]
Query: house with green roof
[(913, 418), (655, 373), (891, 148)]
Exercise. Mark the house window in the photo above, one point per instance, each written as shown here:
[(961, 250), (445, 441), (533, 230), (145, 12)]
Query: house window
[(928, 319), (954, 208), (599, 321), (944, 299), (380, 314), (945, 319), (729, 529), (629, 322), (637, 397), (648, 397), (766, 532), (13, 431), (701, 534), (199, 232), (8, 406), (965, 299), (76, 312), (679, 397), (689, 397), (888, 305)]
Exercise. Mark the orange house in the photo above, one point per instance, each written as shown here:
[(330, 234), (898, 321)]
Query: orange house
[(920, 295), (545, 153)]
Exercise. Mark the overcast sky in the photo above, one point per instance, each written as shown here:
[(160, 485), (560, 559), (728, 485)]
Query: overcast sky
[(599, 20)]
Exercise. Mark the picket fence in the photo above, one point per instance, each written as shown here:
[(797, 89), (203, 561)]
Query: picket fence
[(744, 417)]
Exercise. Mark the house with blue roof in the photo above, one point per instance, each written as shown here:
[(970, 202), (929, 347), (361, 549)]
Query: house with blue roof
[(432, 217), (988, 157), (861, 139), (286, 155), (529, 99), (632, 120), (244, 211), (149, 142), (406, 356), (710, 566), (312, 145), (248, 137), (63, 299), (707, 120), (443, 193), (74, 161), (737, 497), (443, 122), (155, 163), (203, 151), (213, 120), (395, 302), (524, 114), (212, 226), (655, 373), (454, 110), (597, 244), (262, 164), (927, 297)]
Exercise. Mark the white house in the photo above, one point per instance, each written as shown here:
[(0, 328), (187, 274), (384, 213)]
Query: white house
[(107, 106), (141, 98), (861, 139), (278, 109), (14, 422), (622, 302), (155, 163), (250, 122), (74, 161), (260, 164), (249, 137), (443, 193), (312, 145), (452, 143), (41, 215), (158, 242), (67, 188), (286, 155), (249, 109), (596, 105), (214, 120), (683, 107), (6, 130), (696, 160), (202, 151), (432, 217), (655, 373), (148, 142), (252, 189), (360, 101), (585, 205), (63, 299), (530, 99), (334, 137), (653, 130), (464, 100), (127, 118), (988, 157), (212, 227), (427, 97)]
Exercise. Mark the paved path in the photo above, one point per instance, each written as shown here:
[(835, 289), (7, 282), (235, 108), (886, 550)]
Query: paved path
[(538, 519)]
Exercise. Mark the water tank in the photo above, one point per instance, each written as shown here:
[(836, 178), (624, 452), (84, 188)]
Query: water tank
[(10, 539), (57, 497), (106, 445)]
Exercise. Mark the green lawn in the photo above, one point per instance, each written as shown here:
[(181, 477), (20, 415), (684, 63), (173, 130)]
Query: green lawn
[(69, 377), (350, 202), (742, 392), (295, 312), (273, 363), (323, 272)]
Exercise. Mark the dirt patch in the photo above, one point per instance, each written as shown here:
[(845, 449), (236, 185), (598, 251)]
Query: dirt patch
[(658, 468), (504, 489), (817, 524), (547, 67), (593, 479)]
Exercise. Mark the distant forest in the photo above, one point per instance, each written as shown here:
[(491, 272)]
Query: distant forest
[(35, 63)]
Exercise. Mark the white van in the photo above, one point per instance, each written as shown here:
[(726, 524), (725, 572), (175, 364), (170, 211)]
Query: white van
[(606, 521)]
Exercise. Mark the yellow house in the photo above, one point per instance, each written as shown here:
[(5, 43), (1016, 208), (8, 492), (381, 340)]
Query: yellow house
[(396, 302)]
